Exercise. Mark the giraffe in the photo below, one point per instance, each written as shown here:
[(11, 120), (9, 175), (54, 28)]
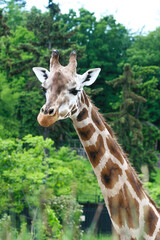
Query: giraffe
[(133, 214)]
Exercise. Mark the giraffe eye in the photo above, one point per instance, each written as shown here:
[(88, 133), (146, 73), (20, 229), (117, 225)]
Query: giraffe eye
[(74, 91)]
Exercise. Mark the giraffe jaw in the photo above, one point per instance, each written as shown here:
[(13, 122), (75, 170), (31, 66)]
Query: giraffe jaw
[(46, 120)]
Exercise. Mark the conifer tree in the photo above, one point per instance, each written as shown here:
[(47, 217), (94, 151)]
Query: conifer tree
[(126, 122)]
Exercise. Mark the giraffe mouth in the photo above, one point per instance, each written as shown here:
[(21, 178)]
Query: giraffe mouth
[(45, 120)]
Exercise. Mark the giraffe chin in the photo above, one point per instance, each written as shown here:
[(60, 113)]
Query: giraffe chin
[(46, 120)]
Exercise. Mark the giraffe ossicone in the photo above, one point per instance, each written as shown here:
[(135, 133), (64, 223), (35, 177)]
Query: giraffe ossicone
[(133, 214)]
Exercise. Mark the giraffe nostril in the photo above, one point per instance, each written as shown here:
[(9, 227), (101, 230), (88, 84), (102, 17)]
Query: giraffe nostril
[(51, 111), (42, 110)]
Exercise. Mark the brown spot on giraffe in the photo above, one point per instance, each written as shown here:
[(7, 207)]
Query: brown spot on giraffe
[(150, 217), (97, 120), (110, 174), (124, 208), (82, 115), (114, 149), (135, 182), (74, 111), (96, 152), (86, 132)]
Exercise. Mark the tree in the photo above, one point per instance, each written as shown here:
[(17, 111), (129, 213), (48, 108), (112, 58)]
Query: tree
[(16, 62), (105, 44), (143, 51), (149, 89), (144, 57), (132, 132), (12, 9)]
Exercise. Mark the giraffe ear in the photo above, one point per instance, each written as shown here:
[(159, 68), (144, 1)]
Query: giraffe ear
[(41, 73), (90, 77)]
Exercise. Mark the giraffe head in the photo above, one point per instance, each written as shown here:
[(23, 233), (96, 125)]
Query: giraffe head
[(63, 87)]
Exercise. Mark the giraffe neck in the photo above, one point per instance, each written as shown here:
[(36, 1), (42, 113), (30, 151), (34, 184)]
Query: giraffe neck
[(132, 212)]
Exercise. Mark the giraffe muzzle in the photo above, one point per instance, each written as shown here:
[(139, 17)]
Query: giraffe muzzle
[(46, 120)]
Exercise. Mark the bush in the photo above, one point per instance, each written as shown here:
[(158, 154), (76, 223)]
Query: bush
[(37, 190)]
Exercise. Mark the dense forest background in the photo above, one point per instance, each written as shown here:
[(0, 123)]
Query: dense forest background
[(127, 92)]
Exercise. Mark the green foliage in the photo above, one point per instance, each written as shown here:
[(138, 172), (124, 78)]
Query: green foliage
[(13, 12), (154, 187), (69, 212), (26, 167), (144, 57), (4, 29), (24, 170), (137, 138), (53, 221), (105, 43), (37, 181), (6, 230), (44, 227), (143, 51), (149, 88)]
